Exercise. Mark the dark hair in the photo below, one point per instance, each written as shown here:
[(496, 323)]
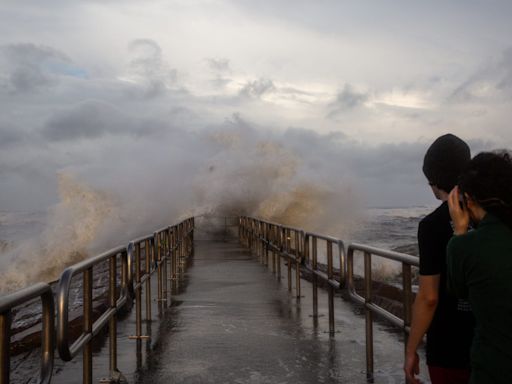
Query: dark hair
[(488, 180), (444, 160)]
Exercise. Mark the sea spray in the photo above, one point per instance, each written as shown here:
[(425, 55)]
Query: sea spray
[(229, 170), (71, 227)]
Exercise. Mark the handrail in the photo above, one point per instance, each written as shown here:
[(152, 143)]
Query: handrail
[(66, 351), (328, 276), (260, 236), (267, 236), (171, 244), (7, 303), (370, 307)]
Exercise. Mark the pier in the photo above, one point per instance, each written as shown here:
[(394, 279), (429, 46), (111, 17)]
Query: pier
[(238, 300)]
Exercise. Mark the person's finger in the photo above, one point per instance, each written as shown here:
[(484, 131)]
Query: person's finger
[(451, 204), (453, 197)]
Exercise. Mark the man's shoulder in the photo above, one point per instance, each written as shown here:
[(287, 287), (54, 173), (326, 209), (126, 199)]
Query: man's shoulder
[(440, 215)]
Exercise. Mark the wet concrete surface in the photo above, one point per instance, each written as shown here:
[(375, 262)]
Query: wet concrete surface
[(232, 321)]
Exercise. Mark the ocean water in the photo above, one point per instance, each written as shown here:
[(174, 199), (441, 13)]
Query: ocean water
[(18, 226), (391, 228), (387, 228)]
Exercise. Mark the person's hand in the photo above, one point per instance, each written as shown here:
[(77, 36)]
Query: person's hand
[(458, 213), (412, 367)]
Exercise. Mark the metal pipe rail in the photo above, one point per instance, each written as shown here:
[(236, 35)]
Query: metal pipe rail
[(7, 303), (91, 328), (258, 234), (407, 262), (311, 245), (263, 236), (170, 245), (282, 241)]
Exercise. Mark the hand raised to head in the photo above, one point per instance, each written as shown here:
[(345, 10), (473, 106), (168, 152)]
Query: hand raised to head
[(458, 212)]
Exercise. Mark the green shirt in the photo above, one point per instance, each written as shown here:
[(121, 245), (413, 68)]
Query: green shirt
[(480, 270)]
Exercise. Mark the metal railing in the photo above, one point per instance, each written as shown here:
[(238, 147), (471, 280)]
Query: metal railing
[(311, 245), (370, 307), (170, 245), (165, 253), (271, 242), (7, 303), (261, 236), (300, 249)]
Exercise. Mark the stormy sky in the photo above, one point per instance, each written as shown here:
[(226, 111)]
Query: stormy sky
[(155, 101)]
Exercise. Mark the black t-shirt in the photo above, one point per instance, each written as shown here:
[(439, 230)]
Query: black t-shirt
[(451, 331)]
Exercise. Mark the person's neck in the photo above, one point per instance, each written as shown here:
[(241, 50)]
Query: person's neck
[(443, 196)]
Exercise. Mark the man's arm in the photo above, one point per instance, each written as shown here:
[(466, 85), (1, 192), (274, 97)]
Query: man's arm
[(423, 311)]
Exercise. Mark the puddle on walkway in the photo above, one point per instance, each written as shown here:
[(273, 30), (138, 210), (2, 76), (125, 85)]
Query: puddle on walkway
[(233, 322)]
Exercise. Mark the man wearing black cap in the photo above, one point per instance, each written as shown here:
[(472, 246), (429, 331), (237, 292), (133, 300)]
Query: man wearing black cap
[(447, 321)]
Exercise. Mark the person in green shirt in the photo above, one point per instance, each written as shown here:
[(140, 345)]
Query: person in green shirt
[(479, 261)]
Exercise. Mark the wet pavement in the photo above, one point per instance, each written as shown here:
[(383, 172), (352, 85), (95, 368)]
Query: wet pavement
[(232, 321)]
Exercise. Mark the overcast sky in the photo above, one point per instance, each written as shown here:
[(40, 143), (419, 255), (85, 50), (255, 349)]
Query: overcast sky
[(157, 96)]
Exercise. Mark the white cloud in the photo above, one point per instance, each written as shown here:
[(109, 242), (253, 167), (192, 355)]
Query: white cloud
[(97, 74)]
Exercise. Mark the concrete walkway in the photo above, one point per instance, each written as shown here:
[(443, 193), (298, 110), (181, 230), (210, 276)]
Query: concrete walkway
[(235, 323), (232, 321)]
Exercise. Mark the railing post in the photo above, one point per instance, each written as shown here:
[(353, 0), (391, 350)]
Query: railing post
[(21, 297), (330, 289), (138, 292), (182, 249), (179, 250), (5, 343), (259, 246), (281, 244), (192, 230), (314, 254), (289, 262), (112, 331), (266, 239), (87, 327), (273, 236), (297, 264), (343, 264), (174, 257), (407, 298), (147, 267), (368, 316), (164, 258), (48, 342), (156, 255)]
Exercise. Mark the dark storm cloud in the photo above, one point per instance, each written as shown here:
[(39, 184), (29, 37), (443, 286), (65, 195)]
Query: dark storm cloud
[(388, 174), (347, 99), (25, 66), (10, 135), (87, 120), (93, 120), (257, 88), (381, 162)]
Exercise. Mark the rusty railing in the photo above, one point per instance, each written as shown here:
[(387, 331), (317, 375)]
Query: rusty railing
[(129, 269), (302, 249)]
